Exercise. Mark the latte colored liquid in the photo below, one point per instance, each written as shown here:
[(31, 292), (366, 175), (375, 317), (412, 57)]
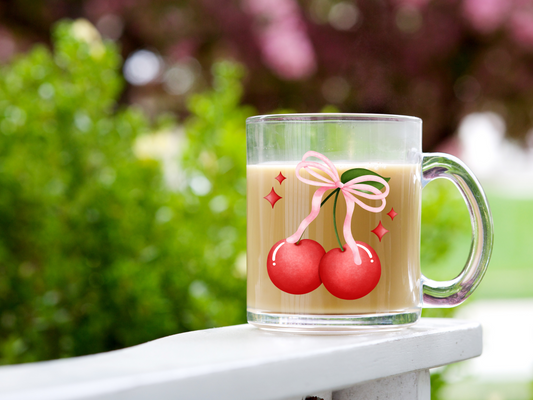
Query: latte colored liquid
[(399, 286)]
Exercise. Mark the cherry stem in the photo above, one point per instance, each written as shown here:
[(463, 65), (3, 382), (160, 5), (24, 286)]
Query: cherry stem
[(331, 194), (321, 204), (335, 219)]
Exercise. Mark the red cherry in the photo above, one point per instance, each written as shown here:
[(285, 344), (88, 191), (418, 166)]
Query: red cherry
[(293, 268), (343, 278)]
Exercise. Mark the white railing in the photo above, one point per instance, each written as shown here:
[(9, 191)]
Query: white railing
[(244, 363)]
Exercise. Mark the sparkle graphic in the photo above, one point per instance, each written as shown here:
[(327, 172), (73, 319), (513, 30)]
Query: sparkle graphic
[(280, 178), (392, 213), (272, 197), (380, 231)]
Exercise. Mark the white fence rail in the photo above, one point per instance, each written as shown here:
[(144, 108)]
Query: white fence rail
[(244, 363)]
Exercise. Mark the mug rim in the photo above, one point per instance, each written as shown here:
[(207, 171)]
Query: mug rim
[(330, 117)]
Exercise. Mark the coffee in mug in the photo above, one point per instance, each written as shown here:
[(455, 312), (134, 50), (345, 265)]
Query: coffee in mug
[(334, 211)]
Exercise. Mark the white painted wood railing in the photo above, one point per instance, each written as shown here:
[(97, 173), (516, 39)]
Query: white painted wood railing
[(242, 362)]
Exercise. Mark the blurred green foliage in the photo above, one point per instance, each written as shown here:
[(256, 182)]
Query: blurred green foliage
[(214, 201), (95, 252), (444, 219)]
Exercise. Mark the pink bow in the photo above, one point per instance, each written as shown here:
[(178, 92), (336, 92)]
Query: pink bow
[(349, 189)]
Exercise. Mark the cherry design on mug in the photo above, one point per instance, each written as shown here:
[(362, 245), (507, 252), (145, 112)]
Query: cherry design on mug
[(379, 231), (349, 272), (273, 197), (345, 279), (280, 178), (293, 267)]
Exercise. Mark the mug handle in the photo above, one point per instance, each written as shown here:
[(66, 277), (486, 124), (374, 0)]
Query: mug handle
[(453, 292)]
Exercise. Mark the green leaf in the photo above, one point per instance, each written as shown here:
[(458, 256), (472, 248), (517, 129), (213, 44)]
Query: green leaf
[(357, 172)]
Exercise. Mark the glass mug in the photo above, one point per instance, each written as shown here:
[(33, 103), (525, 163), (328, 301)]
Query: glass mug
[(334, 214)]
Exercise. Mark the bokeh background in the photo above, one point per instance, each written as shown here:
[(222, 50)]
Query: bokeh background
[(122, 158)]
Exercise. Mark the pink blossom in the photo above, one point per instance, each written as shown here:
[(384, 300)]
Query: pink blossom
[(271, 8), (521, 27), (412, 3), (280, 30), (96, 8), (7, 45), (487, 15), (183, 49)]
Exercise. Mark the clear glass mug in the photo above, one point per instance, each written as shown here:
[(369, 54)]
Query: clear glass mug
[(334, 212)]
